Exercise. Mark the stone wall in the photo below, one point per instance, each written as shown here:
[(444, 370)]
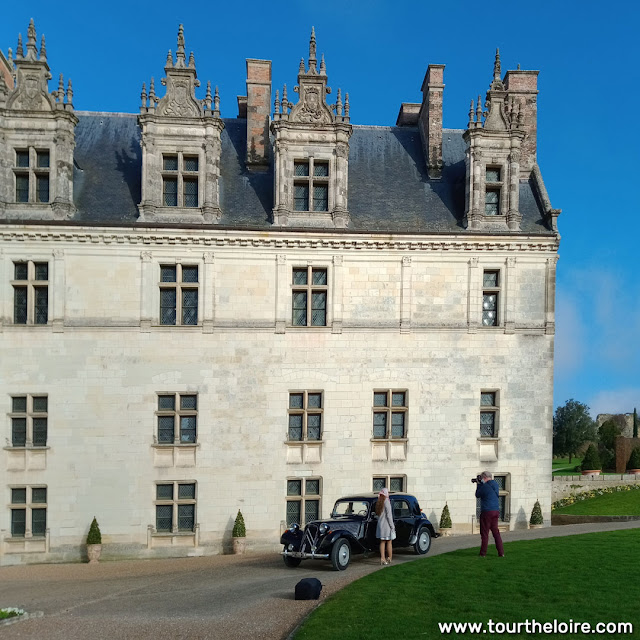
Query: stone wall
[(563, 486)]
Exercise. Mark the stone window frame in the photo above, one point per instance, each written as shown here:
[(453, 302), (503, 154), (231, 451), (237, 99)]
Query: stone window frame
[(388, 481), (35, 172), (28, 507), (492, 410), (489, 290), (494, 186), (311, 180), (181, 175), (175, 502), (504, 497), (305, 412), (309, 289), (33, 288), (29, 415), (303, 498), (179, 286), (390, 410), (177, 413)]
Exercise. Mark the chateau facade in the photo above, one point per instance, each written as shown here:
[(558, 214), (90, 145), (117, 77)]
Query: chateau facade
[(201, 314)]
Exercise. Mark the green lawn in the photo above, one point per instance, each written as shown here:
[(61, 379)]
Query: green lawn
[(625, 503), (530, 583), (562, 467)]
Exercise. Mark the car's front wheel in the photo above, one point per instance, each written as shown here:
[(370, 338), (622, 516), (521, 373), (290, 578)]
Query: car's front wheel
[(340, 554), (291, 561), (423, 543)]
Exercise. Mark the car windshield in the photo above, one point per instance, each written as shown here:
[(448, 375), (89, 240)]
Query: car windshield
[(351, 508)]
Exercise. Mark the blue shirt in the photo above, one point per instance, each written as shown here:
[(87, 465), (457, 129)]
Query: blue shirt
[(488, 494)]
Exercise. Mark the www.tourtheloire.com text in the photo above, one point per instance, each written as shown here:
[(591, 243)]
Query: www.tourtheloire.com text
[(535, 627)]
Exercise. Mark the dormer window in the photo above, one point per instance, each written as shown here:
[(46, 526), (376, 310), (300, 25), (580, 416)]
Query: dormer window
[(180, 180), (32, 175), (311, 186), (493, 187)]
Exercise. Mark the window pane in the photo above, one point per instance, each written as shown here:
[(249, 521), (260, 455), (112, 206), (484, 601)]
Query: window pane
[(294, 487), (320, 197), (19, 404), (299, 318), (20, 271), (22, 188), (319, 276), (189, 402), (293, 512), (186, 517), (166, 403), (314, 400), (503, 507), (295, 427), (165, 429), (492, 199), (311, 510), (41, 271), (39, 495), (191, 163), (398, 399), (396, 484), (168, 306), (397, 425), (190, 274), (188, 429), (321, 169), (42, 188), (490, 279), (42, 159), (164, 492), (22, 158), (380, 399), (41, 315), (487, 424), (19, 496), (18, 522), (187, 491), (379, 483), (18, 432), (40, 432), (296, 400), (20, 305), (312, 487), (489, 310), (488, 399), (493, 175), (314, 426), (164, 517), (299, 276), (168, 273), (170, 191), (318, 308), (301, 197), (190, 306), (38, 522), (299, 169), (379, 425), (502, 482), (170, 163), (190, 188), (40, 404)]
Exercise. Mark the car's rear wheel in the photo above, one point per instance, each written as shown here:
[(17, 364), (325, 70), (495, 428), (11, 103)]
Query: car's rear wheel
[(340, 554), (292, 562), (423, 543)]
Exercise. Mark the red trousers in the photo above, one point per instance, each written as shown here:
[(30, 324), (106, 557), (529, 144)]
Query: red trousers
[(489, 522)]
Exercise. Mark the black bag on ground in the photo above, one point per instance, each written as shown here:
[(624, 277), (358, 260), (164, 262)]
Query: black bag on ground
[(308, 589)]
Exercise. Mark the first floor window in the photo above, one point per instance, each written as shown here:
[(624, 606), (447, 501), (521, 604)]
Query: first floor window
[(303, 500), (175, 507), (29, 420), (392, 483), (490, 298), (179, 294), (309, 297), (177, 417), (488, 414), (305, 415), (28, 512), (30, 292), (390, 414)]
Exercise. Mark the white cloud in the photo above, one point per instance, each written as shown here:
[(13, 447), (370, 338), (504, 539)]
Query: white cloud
[(615, 401)]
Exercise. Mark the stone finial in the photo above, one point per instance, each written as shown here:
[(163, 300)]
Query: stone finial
[(192, 61), (285, 101), (471, 112), (180, 56), (312, 51), (207, 98), (19, 49), (301, 67), (143, 96), (346, 107), (216, 103), (169, 62), (43, 49), (276, 104), (497, 75), (32, 50), (60, 92), (69, 93), (152, 93), (479, 112), (338, 105), (323, 66)]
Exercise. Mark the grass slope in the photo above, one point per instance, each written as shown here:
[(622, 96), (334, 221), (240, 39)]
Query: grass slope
[(625, 503), (407, 601)]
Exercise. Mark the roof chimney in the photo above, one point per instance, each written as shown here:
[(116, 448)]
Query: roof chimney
[(430, 119), (258, 106)]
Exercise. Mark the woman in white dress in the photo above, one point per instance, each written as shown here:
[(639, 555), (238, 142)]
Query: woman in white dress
[(385, 530)]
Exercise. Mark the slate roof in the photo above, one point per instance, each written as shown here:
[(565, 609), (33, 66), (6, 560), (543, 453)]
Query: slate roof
[(389, 189)]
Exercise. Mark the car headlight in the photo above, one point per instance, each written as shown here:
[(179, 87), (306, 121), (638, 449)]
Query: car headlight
[(294, 527), (290, 547), (323, 528)]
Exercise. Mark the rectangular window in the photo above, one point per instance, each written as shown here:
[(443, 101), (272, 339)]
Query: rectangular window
[(22, 187), (28, 512), (390, 409), (490, 298), (30, 292), (179, 295), (493, 187), (32, 175), (309, 297), (42, 188), (488, 414), (170, 191), (305, 415), (180, 179), (177, 418), (175, 507), (303, 500), (393, 483), (29, 421), (311, 185)]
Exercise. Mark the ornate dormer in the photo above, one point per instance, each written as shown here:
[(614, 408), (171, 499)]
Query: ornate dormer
[(37, 138), (493, 159), (180, 146), (311, 151)]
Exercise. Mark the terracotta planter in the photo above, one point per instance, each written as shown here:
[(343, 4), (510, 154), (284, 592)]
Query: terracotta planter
[(591, 472), (535, 526), (93, 552), (634, 471), (445, 531), (239, 546)]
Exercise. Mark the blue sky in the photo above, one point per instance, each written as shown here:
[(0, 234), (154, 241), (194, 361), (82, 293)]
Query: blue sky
[(378, 51)]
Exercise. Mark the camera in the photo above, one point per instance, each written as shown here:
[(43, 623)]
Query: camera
[(477, 479)]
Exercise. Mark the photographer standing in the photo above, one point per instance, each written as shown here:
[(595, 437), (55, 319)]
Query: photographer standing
[(488, 492)]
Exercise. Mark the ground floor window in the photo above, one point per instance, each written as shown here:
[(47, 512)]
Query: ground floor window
[(393, 483), (504, 484), (175, 507), (303, 500), (28, 512)]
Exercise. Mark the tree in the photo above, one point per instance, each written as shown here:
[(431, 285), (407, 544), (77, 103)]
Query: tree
[(635, 423), (608, 432), (572, 427)]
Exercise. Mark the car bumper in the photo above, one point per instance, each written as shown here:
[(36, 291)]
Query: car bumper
[(303, 554)]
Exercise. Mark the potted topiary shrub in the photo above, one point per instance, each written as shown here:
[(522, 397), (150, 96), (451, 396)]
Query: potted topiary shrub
[(94, 542), (536, 520), (445, 521), (591, 462), (633, 465), (239, 534)]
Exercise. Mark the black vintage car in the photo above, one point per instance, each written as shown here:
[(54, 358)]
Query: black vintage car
[(351, 529)]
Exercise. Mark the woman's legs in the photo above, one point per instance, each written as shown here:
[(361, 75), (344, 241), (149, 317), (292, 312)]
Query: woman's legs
[(389, 550), (382, 556)]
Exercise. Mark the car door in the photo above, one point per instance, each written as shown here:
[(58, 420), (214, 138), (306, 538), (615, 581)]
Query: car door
[(403, 520), (370, 540)]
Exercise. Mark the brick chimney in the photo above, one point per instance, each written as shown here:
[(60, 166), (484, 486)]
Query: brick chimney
[(430, 119), (522, 87), (258, 109)]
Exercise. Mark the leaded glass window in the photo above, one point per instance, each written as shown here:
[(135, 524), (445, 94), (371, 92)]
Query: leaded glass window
[(303, 500), (303, 293), (30, 293), (22, 187), (190, 186), (389, 420), (170, 191), (179, 295), (28, 511), (490, 298), (488, 414), (42, 188), (29, 421), (305, 416), (186, 416), (175, 507), (32, 172), (311, 185)]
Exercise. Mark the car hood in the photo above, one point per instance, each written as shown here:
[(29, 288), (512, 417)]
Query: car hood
[(346, 523)]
